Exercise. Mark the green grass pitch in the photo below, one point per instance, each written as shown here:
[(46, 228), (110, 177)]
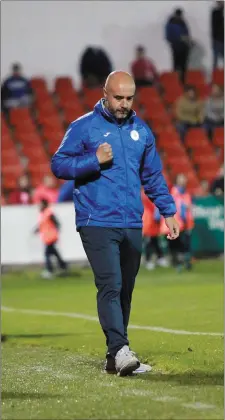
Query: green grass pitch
[(52, 359)]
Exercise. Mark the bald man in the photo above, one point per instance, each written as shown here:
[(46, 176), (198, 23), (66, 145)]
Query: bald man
[(110, 153)]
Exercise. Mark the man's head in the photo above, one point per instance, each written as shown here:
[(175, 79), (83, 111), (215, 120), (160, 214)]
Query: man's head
[(178, 13), (181, 181), (16, 69), (190, 92), (220, 4), (43, 204), (119, 93), (216, 91), (49, 181), (23, 182), (140, 52)]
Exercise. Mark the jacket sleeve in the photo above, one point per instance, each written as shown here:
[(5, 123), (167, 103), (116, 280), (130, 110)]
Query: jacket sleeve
[(153, 180), (71, 161)]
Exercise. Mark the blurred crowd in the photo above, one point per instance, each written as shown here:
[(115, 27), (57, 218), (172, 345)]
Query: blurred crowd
[(190, 111), (95, 63), (48, 190)]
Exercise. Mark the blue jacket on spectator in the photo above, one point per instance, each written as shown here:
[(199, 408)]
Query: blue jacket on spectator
[(109, 195), (15, 87), (175, 30)]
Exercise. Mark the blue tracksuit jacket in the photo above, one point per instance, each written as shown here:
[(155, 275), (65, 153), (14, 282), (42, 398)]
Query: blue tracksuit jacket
[(110, 195)]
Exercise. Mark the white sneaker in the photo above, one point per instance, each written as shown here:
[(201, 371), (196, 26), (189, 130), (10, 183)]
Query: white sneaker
[(150, 265), (143, 368), (46, 274), (162, 262), (126, 361)]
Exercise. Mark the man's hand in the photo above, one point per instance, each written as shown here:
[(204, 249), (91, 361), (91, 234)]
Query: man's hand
[(104, 153), (173, 227)]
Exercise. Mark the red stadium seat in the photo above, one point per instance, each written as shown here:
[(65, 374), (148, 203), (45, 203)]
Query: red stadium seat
[(9, 158), (91, 97), (72, 114), (53, 136), (192, 181), (196, 138), (19, 116), (211, 165), (195, 78), (202, 159), (180, 167), (45, 106), (52, 122), (46, 115), (63, 84), (65, 96), (148, 95), (6, 141), (203, 91), (169, 79), (28, 139), (38, 85), (218, 77), (218, 137), (171, 96), (172, 160), (166, 138), (207, 174), (38, 171)]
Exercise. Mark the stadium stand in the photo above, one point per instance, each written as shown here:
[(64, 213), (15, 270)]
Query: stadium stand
[(30, 136)]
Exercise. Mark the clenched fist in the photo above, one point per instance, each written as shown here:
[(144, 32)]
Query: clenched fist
[(104, 153)]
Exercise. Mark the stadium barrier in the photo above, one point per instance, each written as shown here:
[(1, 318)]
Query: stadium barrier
[(20, 246), (208, 234)]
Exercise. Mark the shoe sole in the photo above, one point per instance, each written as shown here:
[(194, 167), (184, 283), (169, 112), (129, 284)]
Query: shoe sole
[(128, 369)]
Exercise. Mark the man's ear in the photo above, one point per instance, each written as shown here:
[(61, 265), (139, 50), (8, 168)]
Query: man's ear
[(105, 93)]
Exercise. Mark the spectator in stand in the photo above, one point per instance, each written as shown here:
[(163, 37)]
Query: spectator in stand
[(95, 66), (16, 90), (143, 69), (203, 189), (46, 191), (23, 193), (217, 187), (217, 32), (189, 111), (151, 232), (214, 111), (66, 192), (181, 249), (178, 36)]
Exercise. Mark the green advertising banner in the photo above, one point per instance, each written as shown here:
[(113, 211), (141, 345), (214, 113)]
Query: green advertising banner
[(208, 233)]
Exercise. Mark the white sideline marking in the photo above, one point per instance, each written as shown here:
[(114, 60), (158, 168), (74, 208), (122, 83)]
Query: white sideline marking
[(199, 406), (94, 318)]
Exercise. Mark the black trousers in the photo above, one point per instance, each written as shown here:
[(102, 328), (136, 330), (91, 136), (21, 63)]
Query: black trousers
[(152, 245), (181, 245), (180, 55), (114, 255), (50, 250)]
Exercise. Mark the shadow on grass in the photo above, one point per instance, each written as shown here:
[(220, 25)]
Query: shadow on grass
[(26, 396), (191, 378), (5, 337)]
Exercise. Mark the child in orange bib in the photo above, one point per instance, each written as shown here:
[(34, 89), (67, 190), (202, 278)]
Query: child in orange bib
[(48, 228)]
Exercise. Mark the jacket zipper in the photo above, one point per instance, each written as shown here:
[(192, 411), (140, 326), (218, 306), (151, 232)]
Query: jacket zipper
[(121, 139), (89, 218)]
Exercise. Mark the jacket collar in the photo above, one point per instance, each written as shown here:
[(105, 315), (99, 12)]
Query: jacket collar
[(100, 108)]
